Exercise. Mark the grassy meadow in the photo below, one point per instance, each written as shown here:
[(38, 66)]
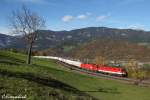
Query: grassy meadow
[(47, 80)]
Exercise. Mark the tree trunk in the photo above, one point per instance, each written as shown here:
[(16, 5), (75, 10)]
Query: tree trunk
[(29, 54)]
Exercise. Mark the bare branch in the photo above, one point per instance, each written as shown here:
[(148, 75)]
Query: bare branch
[(27, 23)]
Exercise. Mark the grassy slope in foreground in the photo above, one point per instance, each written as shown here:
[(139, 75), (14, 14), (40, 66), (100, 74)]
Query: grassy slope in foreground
[(46, 79)]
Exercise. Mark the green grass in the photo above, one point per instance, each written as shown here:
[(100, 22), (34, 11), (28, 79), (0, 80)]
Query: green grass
[(47, 80)]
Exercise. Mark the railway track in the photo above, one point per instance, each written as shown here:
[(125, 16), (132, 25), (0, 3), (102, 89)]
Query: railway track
[(100, 75)]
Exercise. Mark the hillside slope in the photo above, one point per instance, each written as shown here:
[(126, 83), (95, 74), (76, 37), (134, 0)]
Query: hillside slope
[(40, 81), (45, 80), (111, 49)]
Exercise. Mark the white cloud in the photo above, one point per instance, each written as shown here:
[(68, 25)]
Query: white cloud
[(67, 18), (4, 30), (137, 27), (100, 18), (82, 17)]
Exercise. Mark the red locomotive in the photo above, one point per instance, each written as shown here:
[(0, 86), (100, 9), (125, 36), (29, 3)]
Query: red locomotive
[(105, 69)]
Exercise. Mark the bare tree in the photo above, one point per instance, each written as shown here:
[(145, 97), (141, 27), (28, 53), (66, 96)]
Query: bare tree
[(27, 23), (99, 60)]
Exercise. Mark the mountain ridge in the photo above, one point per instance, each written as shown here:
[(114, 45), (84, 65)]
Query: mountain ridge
[(53, 39)]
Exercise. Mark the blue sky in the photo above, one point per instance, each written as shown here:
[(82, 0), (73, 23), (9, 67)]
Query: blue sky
[(74, 14)]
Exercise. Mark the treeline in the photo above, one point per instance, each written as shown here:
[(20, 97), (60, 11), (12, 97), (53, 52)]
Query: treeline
[(47, 52)]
